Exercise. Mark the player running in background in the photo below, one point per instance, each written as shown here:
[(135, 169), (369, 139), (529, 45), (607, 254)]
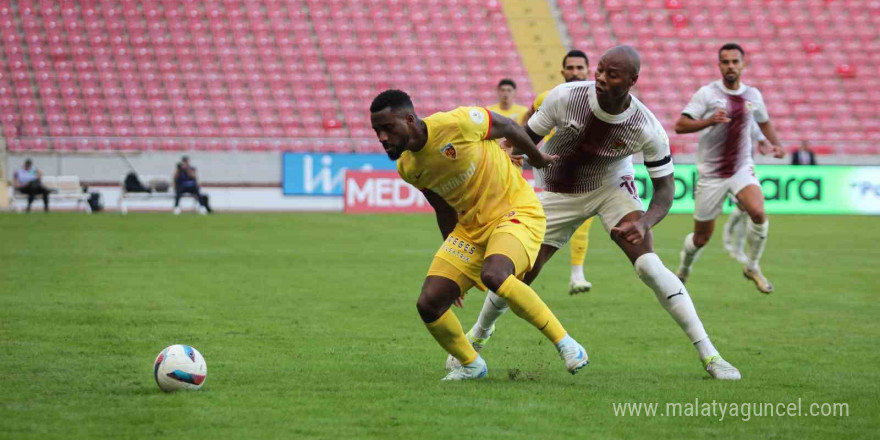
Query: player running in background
[(722, 112), (599, 126), (734, 237), (575, 67), (507, 105), (490, 218)]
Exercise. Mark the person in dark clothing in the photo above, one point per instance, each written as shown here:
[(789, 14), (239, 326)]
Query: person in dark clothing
[(804, 155), (27, 181), (186, 182)]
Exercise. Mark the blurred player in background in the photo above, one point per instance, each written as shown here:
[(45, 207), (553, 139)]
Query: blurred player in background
[(575, 67), (489, 216), (722, 112), (599, 126), (734, 237), (507, 105)]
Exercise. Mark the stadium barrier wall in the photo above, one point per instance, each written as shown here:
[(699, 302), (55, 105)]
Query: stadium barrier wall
[(787, 189)]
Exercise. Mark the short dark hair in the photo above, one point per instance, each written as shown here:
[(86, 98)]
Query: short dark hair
[(731, 46), (507, 82), (574, 53), (391, 98)]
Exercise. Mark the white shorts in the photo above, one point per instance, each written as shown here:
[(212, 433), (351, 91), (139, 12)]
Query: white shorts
[(566, 212), (711, 192)]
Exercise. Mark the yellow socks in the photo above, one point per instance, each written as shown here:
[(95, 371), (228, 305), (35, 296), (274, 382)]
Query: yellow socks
[(448, 333), (527, 305), (579, 242)]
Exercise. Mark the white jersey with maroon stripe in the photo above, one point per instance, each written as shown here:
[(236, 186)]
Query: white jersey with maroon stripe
[(595, 148), (725, 148)]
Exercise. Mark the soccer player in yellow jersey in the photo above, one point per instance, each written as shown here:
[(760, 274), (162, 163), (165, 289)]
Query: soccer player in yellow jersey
[(575, 67), (491, 220), (506, 106)]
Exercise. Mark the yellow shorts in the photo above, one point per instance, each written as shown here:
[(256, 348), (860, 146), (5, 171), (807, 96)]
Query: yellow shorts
[(517, 235)]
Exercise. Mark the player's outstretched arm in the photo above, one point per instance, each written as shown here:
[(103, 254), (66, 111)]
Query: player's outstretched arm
[(446, 216), (506, 128), (687, 124)]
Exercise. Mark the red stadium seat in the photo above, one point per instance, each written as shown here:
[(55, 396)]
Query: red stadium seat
[(846, 71), (212, 68)]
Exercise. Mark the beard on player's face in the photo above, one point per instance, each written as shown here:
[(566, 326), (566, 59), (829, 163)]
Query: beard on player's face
[(395, 146), (397, 141)]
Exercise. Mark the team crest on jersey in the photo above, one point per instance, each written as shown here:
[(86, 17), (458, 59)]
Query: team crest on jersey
[(449, 152), (510, 214), (477, 116), (619, 145), (749, 106)]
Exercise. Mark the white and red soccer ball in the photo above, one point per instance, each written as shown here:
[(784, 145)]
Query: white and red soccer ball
[(180, 367)]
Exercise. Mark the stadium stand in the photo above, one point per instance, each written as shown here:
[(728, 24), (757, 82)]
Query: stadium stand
[(814, 61), (265, 75), (245, 75)]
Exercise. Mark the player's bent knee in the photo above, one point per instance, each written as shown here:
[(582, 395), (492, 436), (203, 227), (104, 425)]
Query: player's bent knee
[(429, 309), (758, 216), (437, 295), (494, 277)]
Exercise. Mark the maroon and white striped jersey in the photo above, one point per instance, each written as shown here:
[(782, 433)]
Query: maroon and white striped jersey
[(595, 148), (725, 148)]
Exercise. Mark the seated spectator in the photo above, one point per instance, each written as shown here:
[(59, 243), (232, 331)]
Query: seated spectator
[(27, 181), (804, 155), (186, 182)]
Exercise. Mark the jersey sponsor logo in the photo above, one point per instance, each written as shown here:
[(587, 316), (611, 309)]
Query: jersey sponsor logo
[(477, 116), (510, 214), (459, 248), (448, 152), (448, 186)]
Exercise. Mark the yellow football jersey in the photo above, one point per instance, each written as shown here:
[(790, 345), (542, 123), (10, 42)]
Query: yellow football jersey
[(515, 112), (539, 100), (536, 105), (471, 173)]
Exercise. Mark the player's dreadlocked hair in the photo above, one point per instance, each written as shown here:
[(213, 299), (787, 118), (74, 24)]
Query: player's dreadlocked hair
[(395, 99)]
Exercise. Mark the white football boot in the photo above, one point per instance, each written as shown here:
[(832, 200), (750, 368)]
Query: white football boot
[(573, 354), (477, 343), (720, 369), (576, 287), (475, 370)]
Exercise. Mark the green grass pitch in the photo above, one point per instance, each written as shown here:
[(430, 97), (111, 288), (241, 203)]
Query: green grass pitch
[(309, 327)]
